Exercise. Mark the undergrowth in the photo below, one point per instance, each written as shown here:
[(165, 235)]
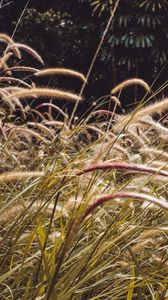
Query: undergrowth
[(83, 203)]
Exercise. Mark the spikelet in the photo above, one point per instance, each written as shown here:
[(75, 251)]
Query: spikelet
[(155, 125), (61, 71), (5, 38), (17, 209), (148, 236), (58, 124), (138, 140), (141, 245), (5, 96), (157, 153), (102, 112), (11, 89), (107, 149), (29, 131), (23, 69), (129, 82), (6, 56), (115, 100), (29, 110), (9, 41), (157, 107), (3, 62), (17, 80), (122, 166), (14, 176), (55, 107), (123, 195), (46, 92), (27, 49), (10, 214), (42, 127)]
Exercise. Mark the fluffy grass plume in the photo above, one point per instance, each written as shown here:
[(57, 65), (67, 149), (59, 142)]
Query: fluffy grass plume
[(62, 72), (14, 176), (158, 107), (46, 92), (130, 82)]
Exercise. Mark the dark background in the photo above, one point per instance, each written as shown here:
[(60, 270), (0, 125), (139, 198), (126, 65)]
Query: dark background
[(67, 32)]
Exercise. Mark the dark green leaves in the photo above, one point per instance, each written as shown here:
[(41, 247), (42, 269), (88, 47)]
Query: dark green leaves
[(135, 40)]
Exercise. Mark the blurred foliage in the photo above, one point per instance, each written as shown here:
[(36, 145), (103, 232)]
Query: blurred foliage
[(67, 33)]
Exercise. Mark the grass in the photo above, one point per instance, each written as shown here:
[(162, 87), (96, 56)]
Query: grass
[(83, 206)]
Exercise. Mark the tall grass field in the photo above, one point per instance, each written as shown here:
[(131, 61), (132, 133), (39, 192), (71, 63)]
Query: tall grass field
[(83, 200)]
